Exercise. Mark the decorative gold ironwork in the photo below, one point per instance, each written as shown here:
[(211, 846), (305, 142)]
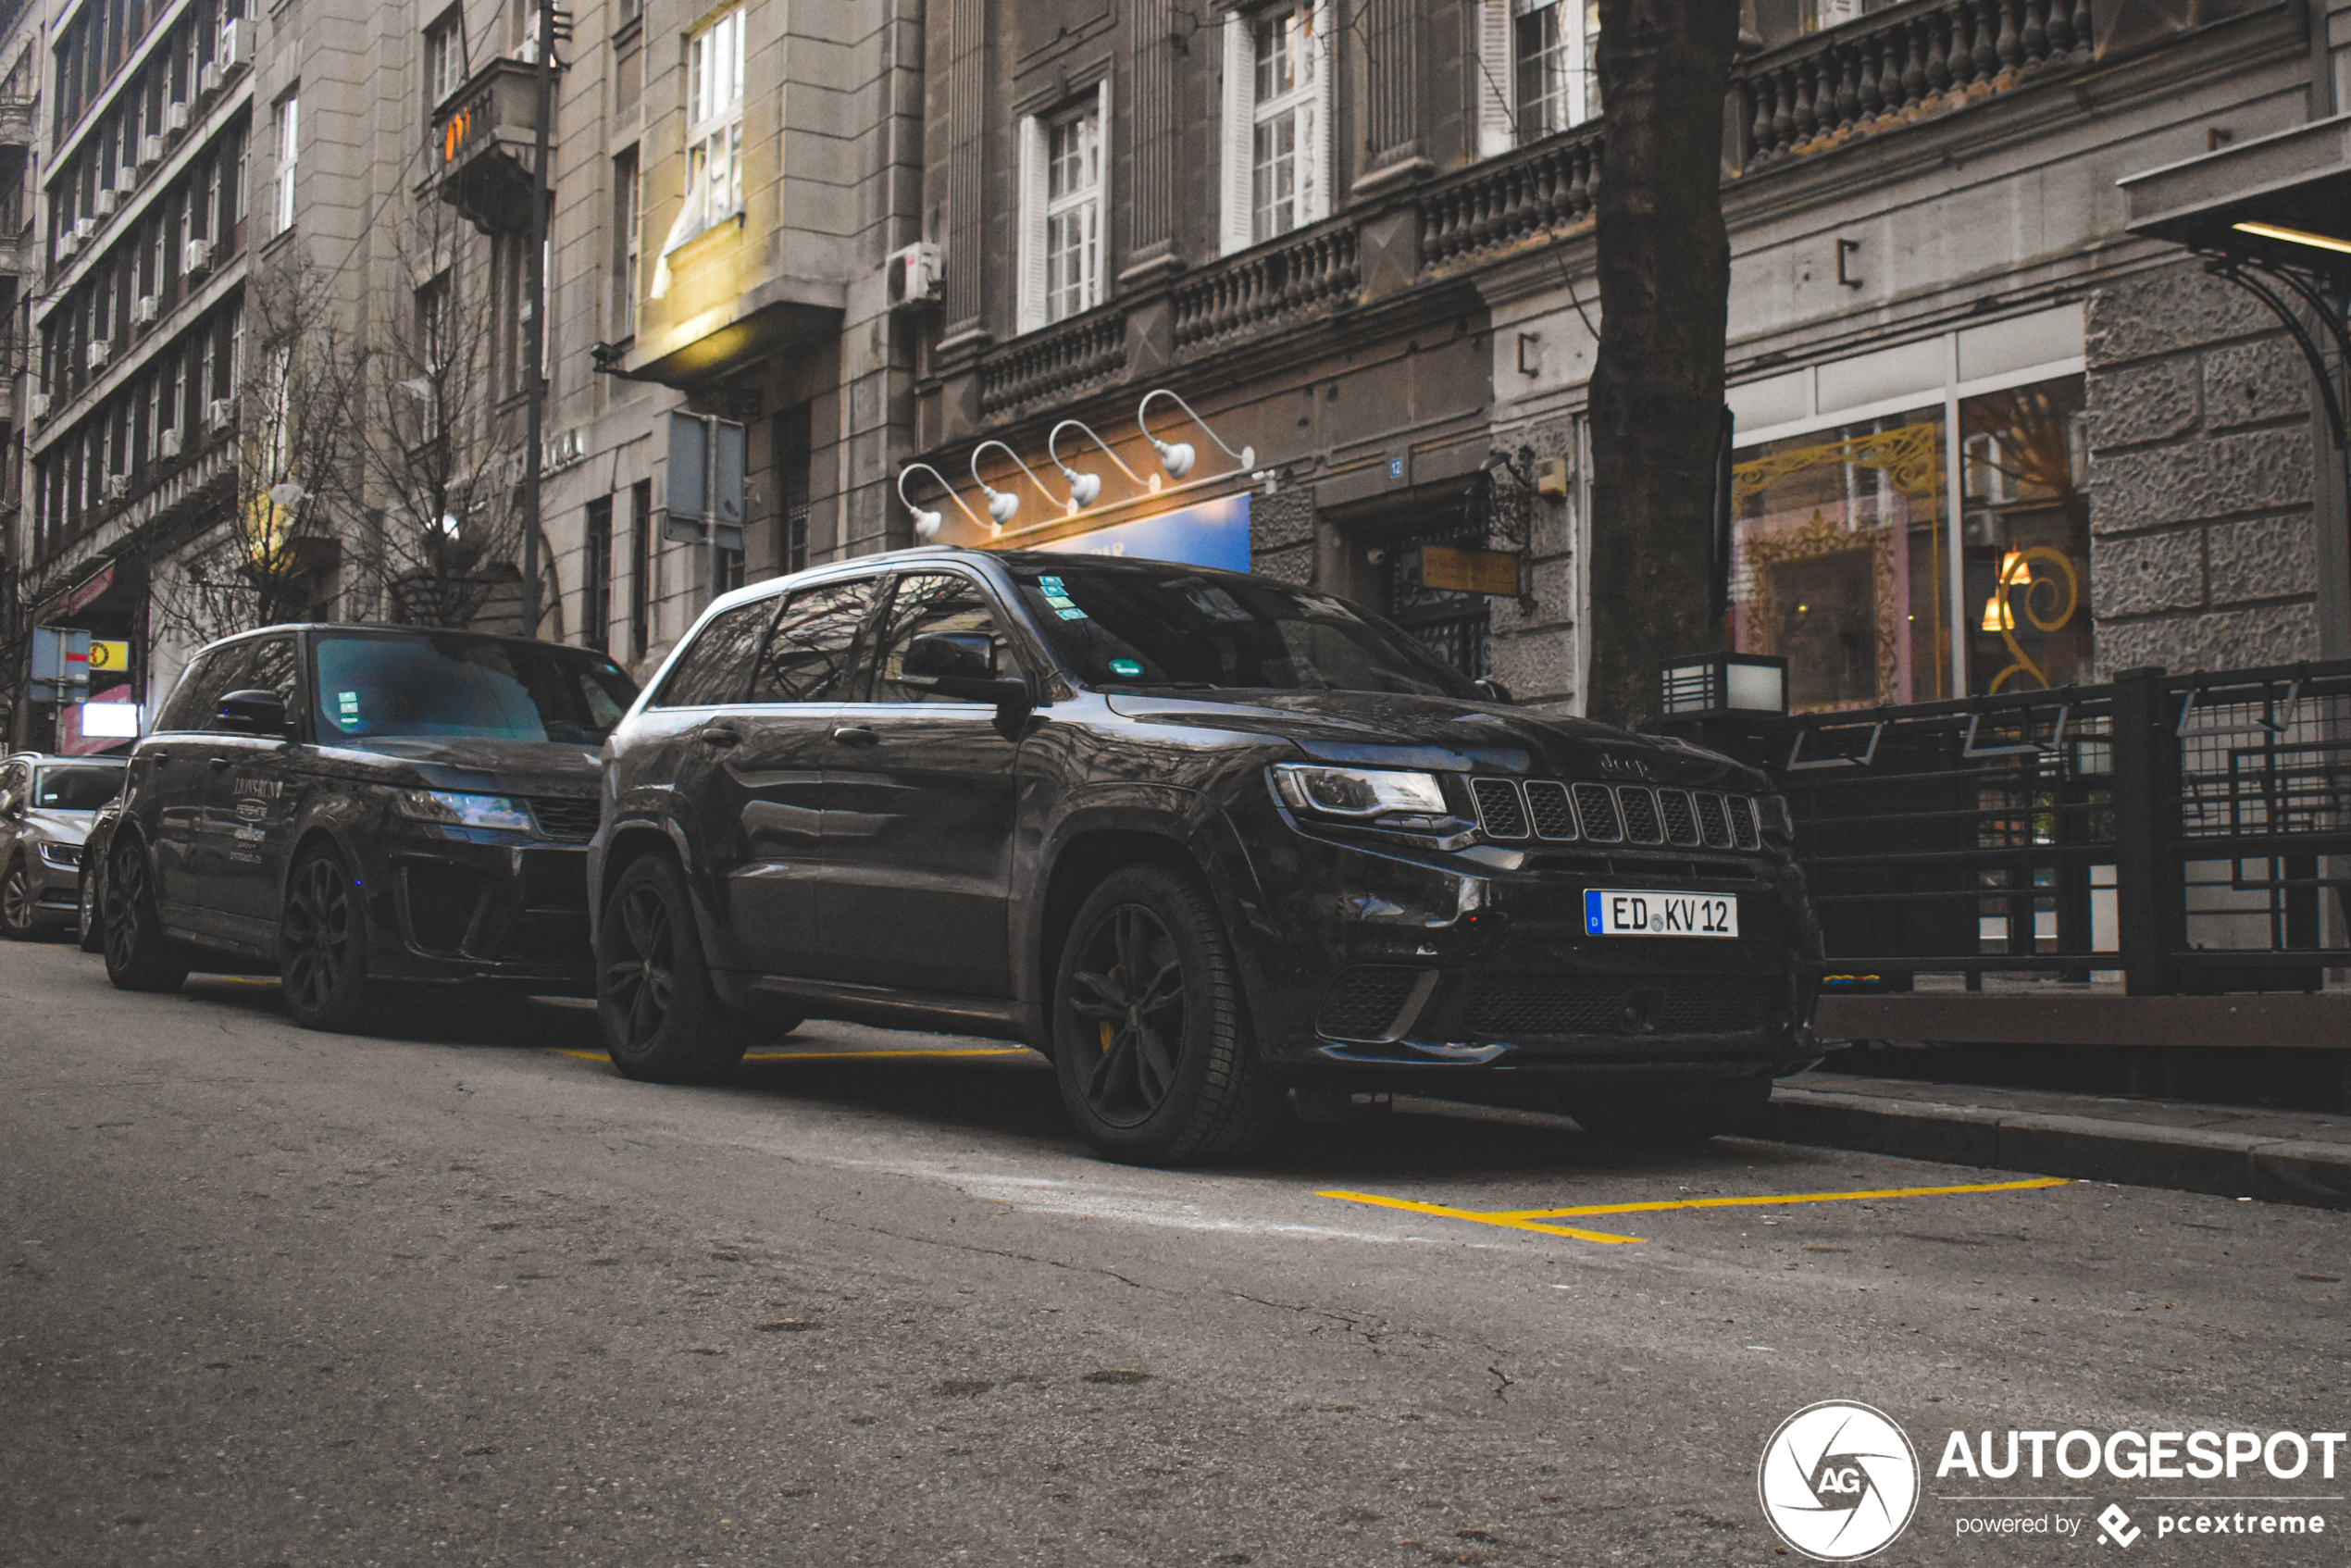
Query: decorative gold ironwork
[(2016, 572), (1911, 455)]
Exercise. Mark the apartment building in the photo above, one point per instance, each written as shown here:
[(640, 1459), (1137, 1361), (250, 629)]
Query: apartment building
[(1988, 437), (20, 77)]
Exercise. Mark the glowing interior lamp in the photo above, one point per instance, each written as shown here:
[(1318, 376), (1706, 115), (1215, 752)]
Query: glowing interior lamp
[(1179, 457), (1003, 505), (2295, 236), (1085, 489), (113, 721), (1999, 614), (927, 523)]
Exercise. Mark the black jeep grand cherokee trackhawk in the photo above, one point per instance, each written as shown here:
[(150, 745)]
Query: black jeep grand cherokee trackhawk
[(1199, 837)]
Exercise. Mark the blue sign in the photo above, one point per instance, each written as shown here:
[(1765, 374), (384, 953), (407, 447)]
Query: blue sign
[(1211, 533), (1593, 922)]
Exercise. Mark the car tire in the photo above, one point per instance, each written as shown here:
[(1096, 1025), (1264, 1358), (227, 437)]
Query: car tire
[(92, 931), (322, 947), (663, 1020), (1165, 1073), (1669, 1117), (138, 956), (20, 905)]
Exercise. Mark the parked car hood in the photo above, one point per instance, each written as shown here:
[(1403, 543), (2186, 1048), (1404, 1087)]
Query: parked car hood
[(1397, 730), (59, 826), (547, 768)]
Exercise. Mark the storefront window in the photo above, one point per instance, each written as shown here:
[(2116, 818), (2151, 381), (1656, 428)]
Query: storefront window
[(1847, 563), (2026, 527), (1839, 562)]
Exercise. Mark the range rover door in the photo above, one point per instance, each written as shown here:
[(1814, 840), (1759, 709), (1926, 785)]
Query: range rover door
[(918, 830)]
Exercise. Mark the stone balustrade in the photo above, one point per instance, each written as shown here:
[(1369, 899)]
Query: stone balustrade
[(1907, 63), (1315, 271), (1059, 359), (1495, 205)]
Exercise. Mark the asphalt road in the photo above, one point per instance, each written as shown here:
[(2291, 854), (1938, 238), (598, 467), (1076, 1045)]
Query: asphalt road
[(277, 1298)]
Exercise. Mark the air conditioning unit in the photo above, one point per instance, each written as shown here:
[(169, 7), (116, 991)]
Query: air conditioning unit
[(221, 413), (68, 243), (195, 255), (126, 179), (150, 148), (167, 443), (104, 205), (147, 309), (208, 80), (912, 277), (82, 229), (230, 55), (117, 486), (97, 354), (175, 117), (40, 406)]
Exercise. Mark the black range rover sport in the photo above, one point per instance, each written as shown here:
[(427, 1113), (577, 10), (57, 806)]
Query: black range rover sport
[(349, 806), (1199, 837)]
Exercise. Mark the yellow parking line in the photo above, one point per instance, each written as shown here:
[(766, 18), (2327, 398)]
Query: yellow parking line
[(835, 1055), (1527, 1219), (1506, 1220)]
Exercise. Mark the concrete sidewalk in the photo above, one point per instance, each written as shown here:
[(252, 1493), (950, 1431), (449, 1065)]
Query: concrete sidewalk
[(2280, 1157)]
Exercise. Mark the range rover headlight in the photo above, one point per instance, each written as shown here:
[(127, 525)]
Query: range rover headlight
[(464, 811), (1360, 794)]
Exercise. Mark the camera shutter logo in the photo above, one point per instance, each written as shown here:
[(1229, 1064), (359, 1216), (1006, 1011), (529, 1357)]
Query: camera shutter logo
[(1839, 1481)]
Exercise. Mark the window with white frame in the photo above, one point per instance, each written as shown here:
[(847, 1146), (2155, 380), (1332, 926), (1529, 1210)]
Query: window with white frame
[(1277, 118), (288, 143), (1539, 70), (444, 57), (714, 136), (1061, 197)]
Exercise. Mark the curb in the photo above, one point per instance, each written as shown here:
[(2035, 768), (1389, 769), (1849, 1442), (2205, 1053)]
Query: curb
[(2186, 1158)]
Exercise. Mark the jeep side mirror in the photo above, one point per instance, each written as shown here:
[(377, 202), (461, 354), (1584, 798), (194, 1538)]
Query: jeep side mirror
[(1494, 690), (254, 713)]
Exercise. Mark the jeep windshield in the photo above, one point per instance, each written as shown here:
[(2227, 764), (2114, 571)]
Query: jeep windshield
[(447, 684), (1158, 626)]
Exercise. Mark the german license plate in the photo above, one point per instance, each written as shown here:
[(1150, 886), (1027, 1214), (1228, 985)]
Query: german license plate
[(1630, 912)]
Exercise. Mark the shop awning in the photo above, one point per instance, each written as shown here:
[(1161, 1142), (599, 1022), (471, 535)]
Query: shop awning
[(2283, 199)]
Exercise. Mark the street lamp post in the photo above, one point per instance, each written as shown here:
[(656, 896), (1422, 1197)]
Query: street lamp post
[(535, 352)]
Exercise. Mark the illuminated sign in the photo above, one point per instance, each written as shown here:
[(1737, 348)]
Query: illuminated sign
[(1210, 534)]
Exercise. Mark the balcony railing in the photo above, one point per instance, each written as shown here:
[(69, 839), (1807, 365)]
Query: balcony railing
[(1273, 283), (1904, 63), (1061, 359), (482, 141), (1492, 205), (15, 122)]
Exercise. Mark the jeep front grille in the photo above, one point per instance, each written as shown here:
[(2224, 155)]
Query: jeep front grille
[(1614, 814)]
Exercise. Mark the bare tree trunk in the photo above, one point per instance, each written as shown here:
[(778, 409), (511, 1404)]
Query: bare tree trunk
[(1657, 389)]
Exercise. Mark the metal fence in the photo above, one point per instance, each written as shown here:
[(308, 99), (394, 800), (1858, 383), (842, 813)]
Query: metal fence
[(2191, 834)]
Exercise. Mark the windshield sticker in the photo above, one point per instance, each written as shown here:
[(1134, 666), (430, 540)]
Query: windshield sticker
[(347, 705), (1058, 597), (1124, 666)]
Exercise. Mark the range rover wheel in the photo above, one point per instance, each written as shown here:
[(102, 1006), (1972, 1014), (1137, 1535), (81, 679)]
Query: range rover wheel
[(138, 956), (661, 1019), (20, 905), (93, 923), (322, 947), (1150, 1031), (1668, 1116)]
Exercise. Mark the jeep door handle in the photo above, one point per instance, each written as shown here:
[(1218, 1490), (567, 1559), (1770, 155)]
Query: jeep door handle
[(216, 763), (856, 735), (720, 735)]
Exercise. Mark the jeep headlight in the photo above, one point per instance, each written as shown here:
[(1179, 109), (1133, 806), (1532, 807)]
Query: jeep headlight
[(464, 811), (1360, 794)]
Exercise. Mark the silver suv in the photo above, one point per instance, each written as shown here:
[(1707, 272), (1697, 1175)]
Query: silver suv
[(46, 806)]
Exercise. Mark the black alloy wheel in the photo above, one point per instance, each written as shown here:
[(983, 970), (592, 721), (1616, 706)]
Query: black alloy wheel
[(138, 956), (1150, 1034), (322, 947), (661, 1019), (20, 906)]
